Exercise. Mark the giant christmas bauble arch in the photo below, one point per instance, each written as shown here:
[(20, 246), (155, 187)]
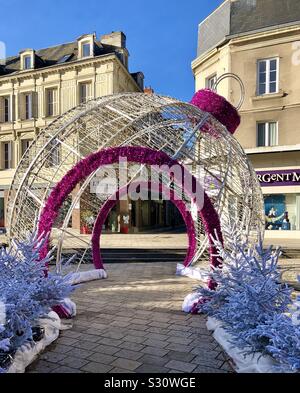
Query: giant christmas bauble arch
[(54, 175)]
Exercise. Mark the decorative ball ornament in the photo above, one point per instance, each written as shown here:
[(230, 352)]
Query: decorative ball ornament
[(209, 101), (46, 193)]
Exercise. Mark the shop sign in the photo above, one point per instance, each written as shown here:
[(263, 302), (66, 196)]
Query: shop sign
[(287, 177)]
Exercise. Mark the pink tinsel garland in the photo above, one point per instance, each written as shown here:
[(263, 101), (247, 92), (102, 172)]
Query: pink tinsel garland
[(209, 101), (109, 156), (111, 202)]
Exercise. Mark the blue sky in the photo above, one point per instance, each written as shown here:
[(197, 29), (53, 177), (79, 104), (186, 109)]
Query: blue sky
[(161, 34)]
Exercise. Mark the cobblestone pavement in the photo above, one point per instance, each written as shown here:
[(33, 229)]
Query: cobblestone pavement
[(132, 322)]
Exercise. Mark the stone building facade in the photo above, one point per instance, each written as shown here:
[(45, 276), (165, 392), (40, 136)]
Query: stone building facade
[(36, 86), (259, 40)]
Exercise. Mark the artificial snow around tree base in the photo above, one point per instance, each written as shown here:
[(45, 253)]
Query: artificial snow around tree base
[(189, 301), (28, 353), (197, 274), (91, 275), (256, 363)]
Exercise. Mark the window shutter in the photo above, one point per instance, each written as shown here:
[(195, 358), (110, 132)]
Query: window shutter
[(54, 102), (21, 106), (10, 154), (1, 110), (12, 113), (34, 104)]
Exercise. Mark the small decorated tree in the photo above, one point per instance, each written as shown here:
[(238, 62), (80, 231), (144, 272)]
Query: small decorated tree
[(252, 303), (26, 292)]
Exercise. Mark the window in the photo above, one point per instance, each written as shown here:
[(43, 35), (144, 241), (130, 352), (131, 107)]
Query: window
[(85, 92), (28, 106), (53, 156), (51, 102), (268, 76), (6, 102), (24, 145), (86, 49), (267, 134), (6, 154), (211, 81), (27, 62)]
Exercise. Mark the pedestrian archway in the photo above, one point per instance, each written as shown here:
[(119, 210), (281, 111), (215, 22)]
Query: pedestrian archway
[(142, 124)]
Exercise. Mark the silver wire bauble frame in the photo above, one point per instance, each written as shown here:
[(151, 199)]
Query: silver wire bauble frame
[(134, 119)]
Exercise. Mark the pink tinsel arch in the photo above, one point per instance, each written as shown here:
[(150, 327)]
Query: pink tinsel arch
[(112, 201), (137, 154)]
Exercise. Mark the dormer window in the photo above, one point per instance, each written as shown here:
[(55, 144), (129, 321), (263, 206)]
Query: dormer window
[(27, 59), (86, 49), (27, 62), (86, 46)]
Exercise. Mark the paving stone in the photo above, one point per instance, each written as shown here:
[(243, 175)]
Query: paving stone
[(117, 370), (155, 351), (66, 341), (163, 325), (208, 370), (120, 324), (101, 358), (205, 352), (59, 348), (155, 360), (179, 347), (94, 331), (131, 346), (138, 321), (127, 364), (205, 361), (182, 356), (73, 362), (116, 335), (179, 340), (134, 339), (158, 330), (65, 370), (97, 368), (106, 349), (70, 333), (128, 354), (157, 336), (80, 353), (137, 333), (181, 366), (156, 343), (85, 345), (110, 341), (151, 369)]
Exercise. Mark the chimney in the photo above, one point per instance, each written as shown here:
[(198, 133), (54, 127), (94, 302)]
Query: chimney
[(148, 90), (116, 38)]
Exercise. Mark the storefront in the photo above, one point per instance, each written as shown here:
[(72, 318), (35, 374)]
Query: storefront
[(281, 189)]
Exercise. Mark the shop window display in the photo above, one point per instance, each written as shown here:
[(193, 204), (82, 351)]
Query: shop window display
[(281, 212)]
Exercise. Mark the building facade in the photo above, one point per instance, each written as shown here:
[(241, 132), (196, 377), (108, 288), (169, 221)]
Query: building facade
[(38, 86), (259, 40)]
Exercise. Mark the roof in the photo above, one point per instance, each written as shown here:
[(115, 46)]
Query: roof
[(58, 54), (239, 17)]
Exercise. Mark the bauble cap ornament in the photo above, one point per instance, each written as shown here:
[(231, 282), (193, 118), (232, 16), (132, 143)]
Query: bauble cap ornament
[(209, 101)]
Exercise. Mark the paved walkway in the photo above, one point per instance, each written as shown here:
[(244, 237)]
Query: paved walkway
[(132, 322)]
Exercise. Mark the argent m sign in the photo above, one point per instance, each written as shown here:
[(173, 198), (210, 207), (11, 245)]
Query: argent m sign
[(287, 177)]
